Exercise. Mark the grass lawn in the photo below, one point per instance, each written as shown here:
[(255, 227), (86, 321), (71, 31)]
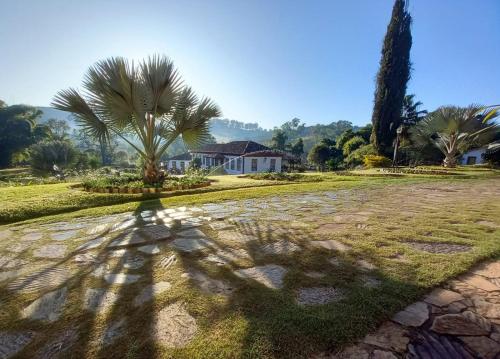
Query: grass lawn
[(352, 251), (28, 202)]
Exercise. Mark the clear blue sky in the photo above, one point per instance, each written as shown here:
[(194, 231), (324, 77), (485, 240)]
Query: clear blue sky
[(263, 61)]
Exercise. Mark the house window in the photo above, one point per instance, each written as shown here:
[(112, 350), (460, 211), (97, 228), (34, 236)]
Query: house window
[(254, 164), (174, 165), (272, 165), (471, 160), (226, 164), (232, 164), (238, 164), (183, 165)]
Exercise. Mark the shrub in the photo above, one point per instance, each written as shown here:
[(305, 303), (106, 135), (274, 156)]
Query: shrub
[(374, 161), (45, 155), (356, 157), (282, 176), (352, 145)]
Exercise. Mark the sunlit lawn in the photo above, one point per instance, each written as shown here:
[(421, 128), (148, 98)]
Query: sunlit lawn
[(258, 322)]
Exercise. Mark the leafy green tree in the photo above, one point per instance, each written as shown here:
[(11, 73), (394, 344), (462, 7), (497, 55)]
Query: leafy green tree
[(319, 155), (344, 137), (325, 154), (454, 130), (392, 78), (279, 140), (59, 129), (45, 155), (147, 101), (17, 130), (352, 145), (297, 151)]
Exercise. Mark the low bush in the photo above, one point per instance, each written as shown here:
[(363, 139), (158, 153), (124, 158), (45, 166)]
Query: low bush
[(282, 176), (375, 161), (115, 180)]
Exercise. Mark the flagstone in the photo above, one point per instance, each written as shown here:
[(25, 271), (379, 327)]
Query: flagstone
[(480, 282), (12, 343), (193, 232), (134, 262), (19, 247), (443, 297), (128, 238), (7, 262), (99, 229), (121, 278), (50, 251), (190, 244), (156, 232), (270, 275), (150, 249), (95, 243), (174, 326), (47, 308), (85, 258), (209, 285), (413, 315), (332, 245), (99, 300), (41, 279), (149, 292), (62, 236), (281, 247), (33, 236)]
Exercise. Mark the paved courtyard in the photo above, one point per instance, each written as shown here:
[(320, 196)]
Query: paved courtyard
[(86, 283)]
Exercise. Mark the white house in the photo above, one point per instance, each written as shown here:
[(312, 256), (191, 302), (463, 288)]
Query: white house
[(476, 155), (179, 163), (237, 157)]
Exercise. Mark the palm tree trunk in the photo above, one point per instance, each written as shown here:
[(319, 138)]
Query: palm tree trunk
[(152, 174)]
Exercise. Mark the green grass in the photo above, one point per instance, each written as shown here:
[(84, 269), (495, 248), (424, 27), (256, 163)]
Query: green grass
[(258, 322), (30, 202)]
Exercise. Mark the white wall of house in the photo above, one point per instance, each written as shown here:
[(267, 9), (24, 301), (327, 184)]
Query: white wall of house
[(234, 164), (178, 164), (474, 156), (262, 164)]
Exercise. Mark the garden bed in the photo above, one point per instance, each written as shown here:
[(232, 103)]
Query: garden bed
[(134, 190), (133, 184)]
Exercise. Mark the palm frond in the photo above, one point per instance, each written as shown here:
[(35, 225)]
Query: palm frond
[(71, 101)]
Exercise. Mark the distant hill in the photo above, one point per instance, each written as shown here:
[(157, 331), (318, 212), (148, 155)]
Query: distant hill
[(225, 130)]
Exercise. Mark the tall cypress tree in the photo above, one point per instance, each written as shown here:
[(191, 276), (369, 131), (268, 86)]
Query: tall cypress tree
[(392, 78)]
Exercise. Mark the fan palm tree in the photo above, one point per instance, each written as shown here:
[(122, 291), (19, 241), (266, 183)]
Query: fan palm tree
[(145, 101), (454, 130)]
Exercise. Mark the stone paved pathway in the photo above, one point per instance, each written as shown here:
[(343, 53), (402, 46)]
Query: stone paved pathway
[(460, 319), (104, 266)]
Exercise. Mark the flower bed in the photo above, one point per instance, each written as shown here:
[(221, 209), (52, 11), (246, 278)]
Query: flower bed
[(131, 190), (134, 184), (282, 176), (420, 171)]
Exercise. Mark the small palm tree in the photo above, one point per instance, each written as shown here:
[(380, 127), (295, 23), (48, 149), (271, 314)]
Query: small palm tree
[(454, 130), (411, 114), (145, 104)]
